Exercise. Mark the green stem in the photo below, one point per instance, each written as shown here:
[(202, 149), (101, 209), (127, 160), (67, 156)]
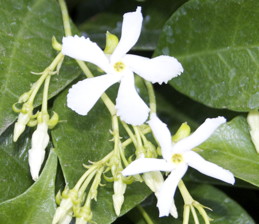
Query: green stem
[(188, 200), (65, 18), (152, 97), (44, 107), (44, 75), (130, 133), (145, 215)]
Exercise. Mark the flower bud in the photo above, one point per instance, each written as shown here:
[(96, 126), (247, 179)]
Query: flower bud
[(67, 218), (63, 211), (111, 43), (40, 140), (119, 188), (253, 121), (182, 132), (153, 180), (20, 125)]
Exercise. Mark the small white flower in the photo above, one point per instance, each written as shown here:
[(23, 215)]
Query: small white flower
[(177, 158), (119, 67), (40, 140)]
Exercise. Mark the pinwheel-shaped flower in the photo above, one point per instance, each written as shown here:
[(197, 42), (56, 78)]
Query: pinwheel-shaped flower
[(176, 159), (119, 67)]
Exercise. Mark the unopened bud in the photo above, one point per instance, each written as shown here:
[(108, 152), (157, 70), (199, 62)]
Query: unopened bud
[(111, 43), (20, 125), (119, 188), (182, 132), (40, 140), (253, 121), (62, 211), (153, 180)]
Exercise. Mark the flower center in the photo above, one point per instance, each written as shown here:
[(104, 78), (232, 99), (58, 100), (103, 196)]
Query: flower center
[(119, 66), (177, 158)]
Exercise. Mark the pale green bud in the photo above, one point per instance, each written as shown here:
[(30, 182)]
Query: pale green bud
[(111, 43), (40, 140), (253, 121), (182, 132), (119, 188)]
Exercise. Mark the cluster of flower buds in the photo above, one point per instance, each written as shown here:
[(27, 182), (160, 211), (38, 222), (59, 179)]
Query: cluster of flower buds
[(40, 137)]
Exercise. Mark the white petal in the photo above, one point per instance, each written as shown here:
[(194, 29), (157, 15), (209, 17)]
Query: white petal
[(159, 69), (173, 210), (195, 161), (84, 94), (130, 107), (146, 165), (162, 135), (84, 49), (200, 135), (131, 28), (166, 194)]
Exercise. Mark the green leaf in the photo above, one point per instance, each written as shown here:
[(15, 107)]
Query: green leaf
[(216, 41), (80, 139), (155, 15), (25, 46), (231, 147), (15, 175), (37, 204), (224, 209)]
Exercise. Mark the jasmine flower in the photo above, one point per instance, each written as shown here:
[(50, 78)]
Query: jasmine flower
[(176, 159), (119, 67)]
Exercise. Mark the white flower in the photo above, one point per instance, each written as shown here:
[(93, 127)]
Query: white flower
[(119, 67), (40, 140), (177, 158)]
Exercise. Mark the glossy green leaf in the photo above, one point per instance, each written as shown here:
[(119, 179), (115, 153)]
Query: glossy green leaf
[(231, 147), (25, 46), (216, 41), (155, 15), (37, 204), (80, 139), (15, 175), (224, 209)]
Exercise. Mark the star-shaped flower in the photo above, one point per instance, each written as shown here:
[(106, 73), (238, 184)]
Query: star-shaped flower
[(176, 159), (119, 67)]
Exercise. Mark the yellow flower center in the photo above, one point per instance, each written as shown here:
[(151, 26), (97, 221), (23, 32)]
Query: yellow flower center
[(177, 158), (119, 66)]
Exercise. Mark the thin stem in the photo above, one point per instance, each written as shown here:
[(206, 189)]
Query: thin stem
[(65, 18), (86, 182), (44, 107), (185, 193), (44, 75), (152, 97), (130, 133), (145, 215)]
